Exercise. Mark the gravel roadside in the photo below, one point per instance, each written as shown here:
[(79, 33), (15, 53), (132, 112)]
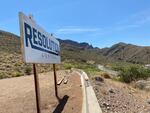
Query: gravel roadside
[(117, 97)]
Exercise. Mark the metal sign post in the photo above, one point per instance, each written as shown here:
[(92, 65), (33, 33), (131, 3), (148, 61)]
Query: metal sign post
[(55, 80), (37, 89)]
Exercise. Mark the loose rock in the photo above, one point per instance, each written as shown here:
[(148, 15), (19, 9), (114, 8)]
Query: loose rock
[(100, 79)]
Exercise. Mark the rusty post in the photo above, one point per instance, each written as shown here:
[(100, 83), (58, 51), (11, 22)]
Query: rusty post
[(37, 89), (55, 80)]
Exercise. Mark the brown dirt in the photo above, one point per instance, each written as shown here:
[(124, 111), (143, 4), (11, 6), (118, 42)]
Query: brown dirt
[(17, 95), (117, 97)]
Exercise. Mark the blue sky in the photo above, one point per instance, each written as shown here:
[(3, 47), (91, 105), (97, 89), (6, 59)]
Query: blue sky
[(101, 23)]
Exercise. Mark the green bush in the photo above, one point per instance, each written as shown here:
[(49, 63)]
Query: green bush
[(117, 68), (133, 73), (2, 75), (17, 74), (68, 66), (28, 70), (90, 69)]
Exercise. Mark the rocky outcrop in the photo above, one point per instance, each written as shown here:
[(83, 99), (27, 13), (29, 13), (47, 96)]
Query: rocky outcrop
[(143, 85)]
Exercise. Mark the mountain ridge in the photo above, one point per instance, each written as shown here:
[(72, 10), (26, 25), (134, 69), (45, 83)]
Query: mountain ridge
[(128, 52), (84, 51)]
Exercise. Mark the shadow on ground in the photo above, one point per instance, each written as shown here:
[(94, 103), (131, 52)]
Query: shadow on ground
[(61, 105)]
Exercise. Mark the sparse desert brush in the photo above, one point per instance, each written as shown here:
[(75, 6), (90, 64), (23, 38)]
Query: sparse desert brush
[(17, 64), (3, 75), (28, 70), (68, 65), (91, 69), (17, 74), (133, 73)]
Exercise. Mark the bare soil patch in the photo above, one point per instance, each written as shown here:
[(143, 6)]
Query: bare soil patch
[(17, 95)]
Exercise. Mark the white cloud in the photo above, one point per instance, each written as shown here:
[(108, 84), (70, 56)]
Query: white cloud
[(75, 30), (133, 21)]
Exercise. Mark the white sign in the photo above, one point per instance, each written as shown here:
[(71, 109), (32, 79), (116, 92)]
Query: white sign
[(38, 46)]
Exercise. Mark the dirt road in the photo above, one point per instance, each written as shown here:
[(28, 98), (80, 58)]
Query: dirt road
[(17, 94)]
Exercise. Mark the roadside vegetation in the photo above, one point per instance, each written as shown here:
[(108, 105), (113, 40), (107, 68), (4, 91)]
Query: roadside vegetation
[(79, 54), (131, 72), (90, 68), (74, 55), (12, 66)]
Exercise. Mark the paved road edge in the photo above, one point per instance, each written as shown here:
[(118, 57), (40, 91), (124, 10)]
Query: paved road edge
[(90, 103)]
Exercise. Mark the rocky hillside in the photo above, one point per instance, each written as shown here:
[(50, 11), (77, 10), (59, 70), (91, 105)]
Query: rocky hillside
[(128, 52), (11, 60), (121, 51), (11, 63), (71, 50), (74, 44)]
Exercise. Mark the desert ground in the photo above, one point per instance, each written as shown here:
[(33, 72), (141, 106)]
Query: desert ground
[(17, 95)]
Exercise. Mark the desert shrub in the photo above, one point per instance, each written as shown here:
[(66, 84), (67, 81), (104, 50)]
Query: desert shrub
[(28, 70), (90, 69), (18, 74), (68, 66), (17, 64), (133, 73), (119, 66), (2, 75)]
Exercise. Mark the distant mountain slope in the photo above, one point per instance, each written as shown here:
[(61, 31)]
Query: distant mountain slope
[(72, 50), (80, 52), (11, 59), (9, 42), (75, 44), (128, 52), (11, 63)]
